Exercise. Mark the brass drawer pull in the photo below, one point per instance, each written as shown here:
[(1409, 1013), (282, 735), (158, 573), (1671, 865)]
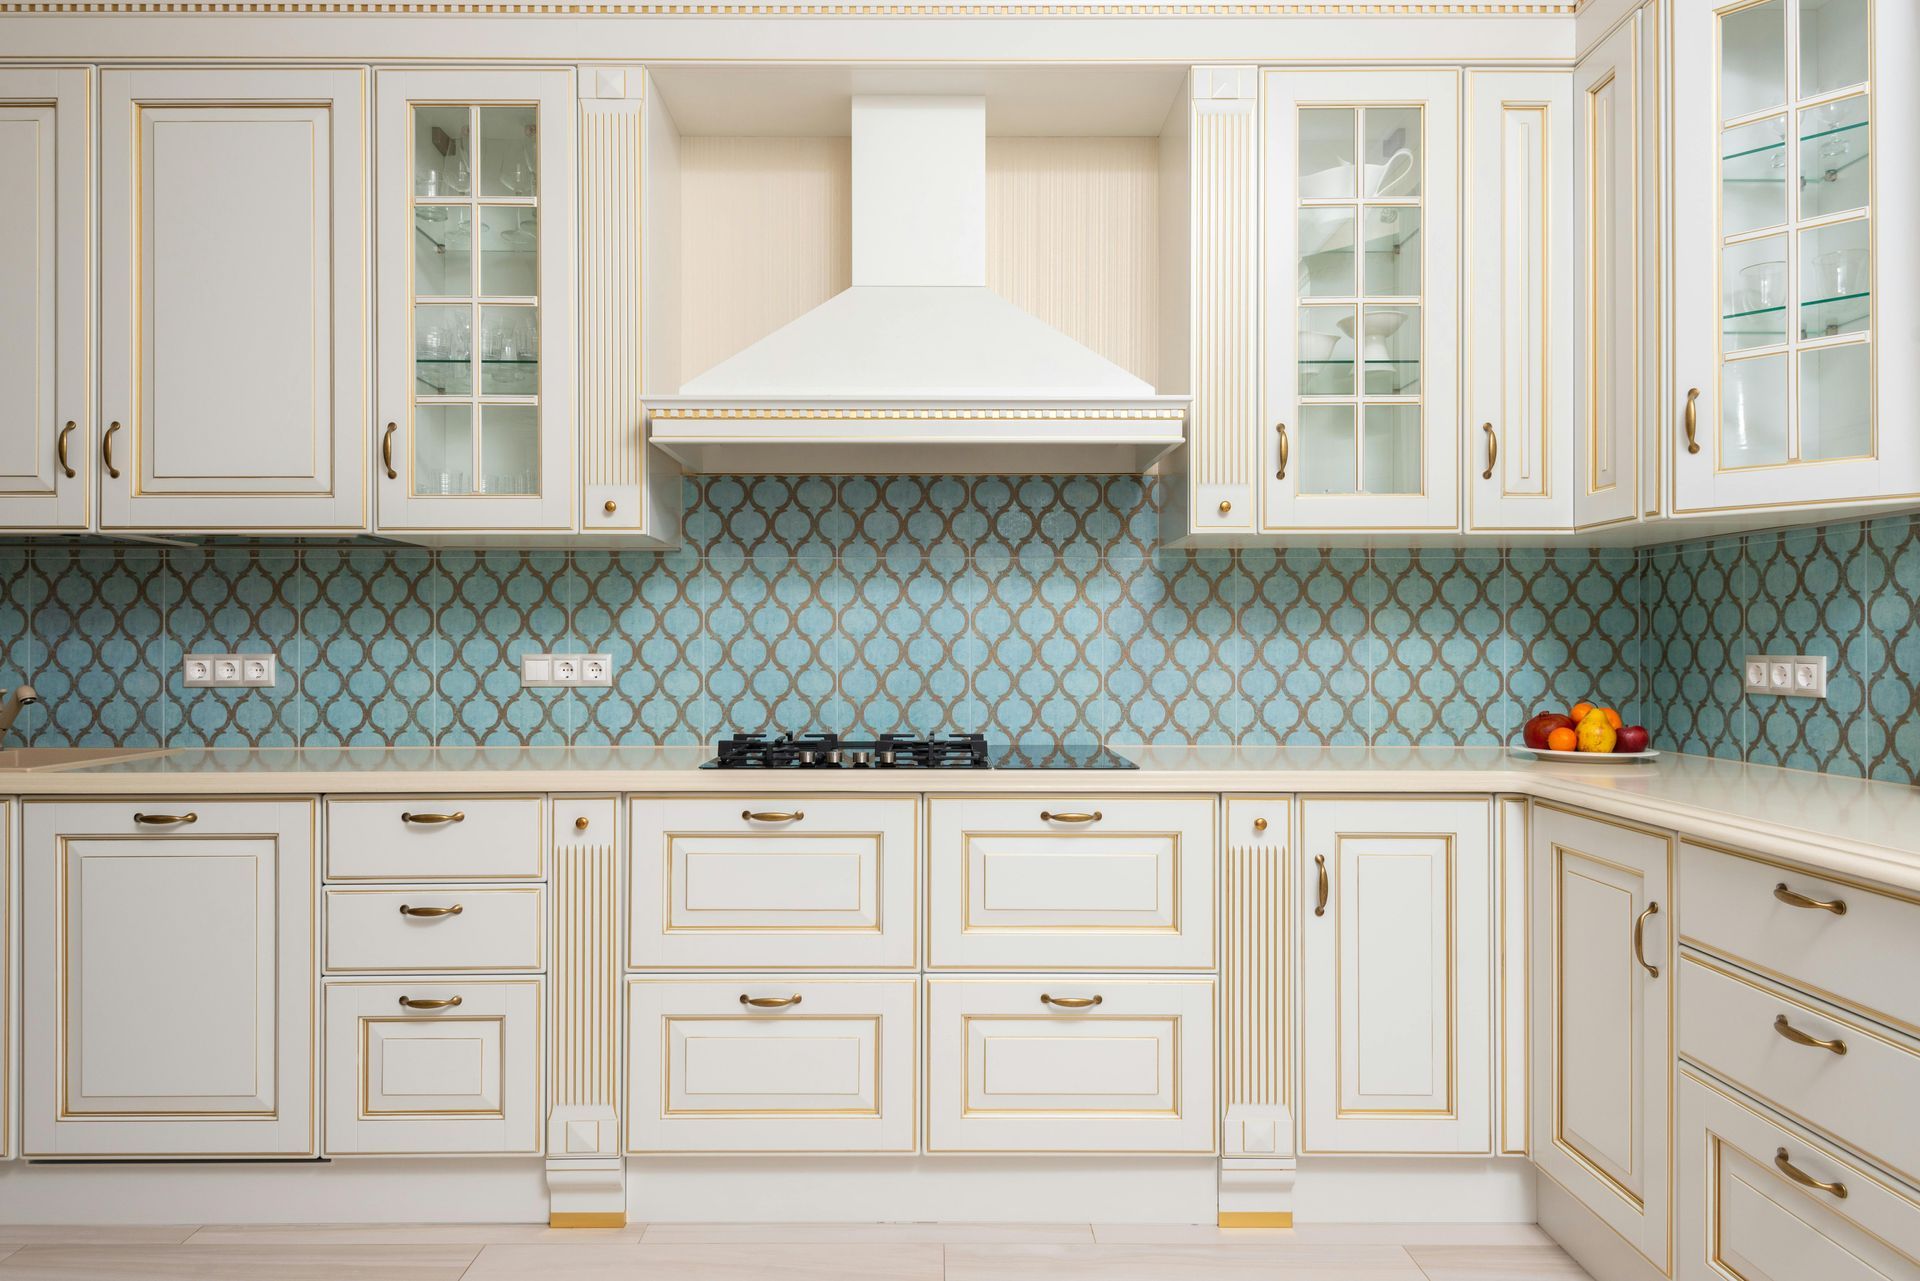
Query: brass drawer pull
[(773, 816), (1794, 898), (434, 820), (1282, 429), (770, 1002), (1493, 450), (431, 912), (429, 1003), (1071, 1002), (1094, 817), (580, 824), (167, 820), (1794, 1034), (386, 451), (1259, 824), (1640, 939), (106, 450), (1320, 865), (1804, 1179), (60, 450)]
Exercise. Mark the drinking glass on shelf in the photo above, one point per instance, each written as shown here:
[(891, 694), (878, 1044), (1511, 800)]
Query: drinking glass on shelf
[(1839, 273), (459, 172), (1766, 284)]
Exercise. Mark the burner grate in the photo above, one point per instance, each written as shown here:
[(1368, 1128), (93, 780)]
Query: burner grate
[(830, 751)]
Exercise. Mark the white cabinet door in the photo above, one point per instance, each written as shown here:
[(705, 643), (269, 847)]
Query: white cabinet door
[(233, 326), (1520, 280), (169, 964), (1602, 977), (8, 971), (1797, 339), (46, 414), (1363, 300), (474, 204), (1396, 978)]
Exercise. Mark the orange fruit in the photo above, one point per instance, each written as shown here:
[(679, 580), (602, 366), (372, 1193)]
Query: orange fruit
[(1613, 717), (1579, 711), (1563, 740)]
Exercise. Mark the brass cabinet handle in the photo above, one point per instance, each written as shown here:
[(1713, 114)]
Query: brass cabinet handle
[(167, 820), (1692, 420), (1071, 1002), (1259, 824), (434, 820), (1640, 939), (429, 1003), (1282, 429), (60, 450), (1794, 1034), (773, 816), (455, 910), (1794, 898), (1493, 450), (769, 1002), (1225, 506), (106, 450), (386, 450), (610, 507), (580, 824), (1805, 1180), (1326, 886), (1095, 817)]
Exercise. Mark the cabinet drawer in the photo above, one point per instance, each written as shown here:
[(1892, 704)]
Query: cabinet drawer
[(437, 838), (754, 881), (1080, 1063), (1865, 956), (435, 928), (1744, 1214), (1070, 882), (821, 1065), (1729, 1023), (458, 1077)]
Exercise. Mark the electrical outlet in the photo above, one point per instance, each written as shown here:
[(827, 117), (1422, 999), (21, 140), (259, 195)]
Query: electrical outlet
[(1789, 675), (596, 670), (539, 671), (229, 671)]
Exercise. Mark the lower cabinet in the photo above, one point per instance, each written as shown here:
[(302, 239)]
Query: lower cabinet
[(1396, 930), (771, 1063), (169, 964), (1082, 1063), (1602, 979), (432, 1067)]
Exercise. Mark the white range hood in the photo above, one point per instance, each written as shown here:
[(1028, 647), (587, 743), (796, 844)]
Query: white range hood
[(918, 366)]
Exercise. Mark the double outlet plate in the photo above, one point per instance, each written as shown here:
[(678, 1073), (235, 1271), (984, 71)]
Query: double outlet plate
[(1792, 675)]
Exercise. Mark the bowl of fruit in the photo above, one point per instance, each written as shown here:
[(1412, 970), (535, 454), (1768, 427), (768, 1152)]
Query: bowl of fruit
[(1584, 733)]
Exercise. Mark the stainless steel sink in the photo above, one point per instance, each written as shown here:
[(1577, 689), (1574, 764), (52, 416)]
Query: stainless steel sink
[(54, 757)]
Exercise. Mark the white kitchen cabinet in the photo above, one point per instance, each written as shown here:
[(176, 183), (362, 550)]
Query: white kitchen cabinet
[(1602, 979), (1797, 341), (46, 401), (474, 204), (1396, 979), (233, 300), (1363, 312), (9, 970), (168, 958), (1520, 279)]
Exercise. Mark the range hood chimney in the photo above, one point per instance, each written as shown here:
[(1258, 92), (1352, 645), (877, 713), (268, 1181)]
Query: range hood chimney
[(918, 353)]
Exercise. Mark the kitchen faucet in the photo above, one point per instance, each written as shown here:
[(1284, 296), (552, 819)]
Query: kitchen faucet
[(16, 702)]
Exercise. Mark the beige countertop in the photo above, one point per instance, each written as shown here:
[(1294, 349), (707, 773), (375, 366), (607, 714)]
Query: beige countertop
[(1850, 826)]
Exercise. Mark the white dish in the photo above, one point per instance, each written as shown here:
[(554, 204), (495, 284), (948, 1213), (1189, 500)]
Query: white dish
[(1585, 758)]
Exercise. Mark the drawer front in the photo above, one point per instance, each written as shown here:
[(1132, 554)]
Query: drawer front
[(1070, 1063), (1864, 957), (1071, 882), (1743, 1213), (459, 1077), (1731, 1024), (749, 882), (818, 1065), (437, 838), (435, 928)]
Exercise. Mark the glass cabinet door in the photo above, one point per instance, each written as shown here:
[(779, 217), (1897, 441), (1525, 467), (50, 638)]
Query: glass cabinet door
[(1363, 270), (475, 387)]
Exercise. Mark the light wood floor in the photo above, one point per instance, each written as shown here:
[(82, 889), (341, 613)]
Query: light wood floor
[(783, 1252)]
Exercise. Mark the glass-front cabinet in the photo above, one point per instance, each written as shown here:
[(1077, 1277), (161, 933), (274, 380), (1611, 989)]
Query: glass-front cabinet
[(1363, 274), (1788, 349), (475, 204)]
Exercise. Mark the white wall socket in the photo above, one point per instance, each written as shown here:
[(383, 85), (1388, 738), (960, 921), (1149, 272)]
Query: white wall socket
[(1790, 675), (229, 671), (540, 671)]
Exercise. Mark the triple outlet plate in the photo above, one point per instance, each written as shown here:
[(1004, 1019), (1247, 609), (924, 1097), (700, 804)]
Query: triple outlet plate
[(1792, 675)]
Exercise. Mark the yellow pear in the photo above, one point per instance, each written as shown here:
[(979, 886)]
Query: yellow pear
[(1595, 733)]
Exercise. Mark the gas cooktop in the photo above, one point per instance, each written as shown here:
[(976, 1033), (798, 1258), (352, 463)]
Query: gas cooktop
[(906, 751)]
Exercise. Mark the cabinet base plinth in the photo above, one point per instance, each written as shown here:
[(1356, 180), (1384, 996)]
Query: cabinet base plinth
[(1256, 1218), (577, 1219), (1257, 1168)]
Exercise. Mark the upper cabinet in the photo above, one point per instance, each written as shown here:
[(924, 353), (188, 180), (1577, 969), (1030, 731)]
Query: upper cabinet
[(1797, 343), (233, 300), (1363, 287), (475, 208), (46, 424)]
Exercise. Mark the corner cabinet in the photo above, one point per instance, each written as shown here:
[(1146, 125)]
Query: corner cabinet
[(1362, 222), (475, 214), (1797, 343)]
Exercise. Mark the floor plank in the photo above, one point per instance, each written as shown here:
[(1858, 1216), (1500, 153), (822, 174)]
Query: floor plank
[(739, 1262), (12, 1234), (1323, 1234), (1279, 1261), (1496, 1263), (475, 1234), (868, 1233), (236, 1263)]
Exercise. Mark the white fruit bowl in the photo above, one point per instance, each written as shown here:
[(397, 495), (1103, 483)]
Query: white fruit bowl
[(1584, 758)]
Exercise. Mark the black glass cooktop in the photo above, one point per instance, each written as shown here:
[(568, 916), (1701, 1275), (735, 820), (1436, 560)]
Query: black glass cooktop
[(906, 751)]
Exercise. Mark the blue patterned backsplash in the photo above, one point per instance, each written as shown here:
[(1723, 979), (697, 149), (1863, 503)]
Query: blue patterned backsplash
[(1026, 608)]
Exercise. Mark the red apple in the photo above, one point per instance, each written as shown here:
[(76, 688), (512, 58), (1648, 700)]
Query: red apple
[(1631, 738), (1537, 729)]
